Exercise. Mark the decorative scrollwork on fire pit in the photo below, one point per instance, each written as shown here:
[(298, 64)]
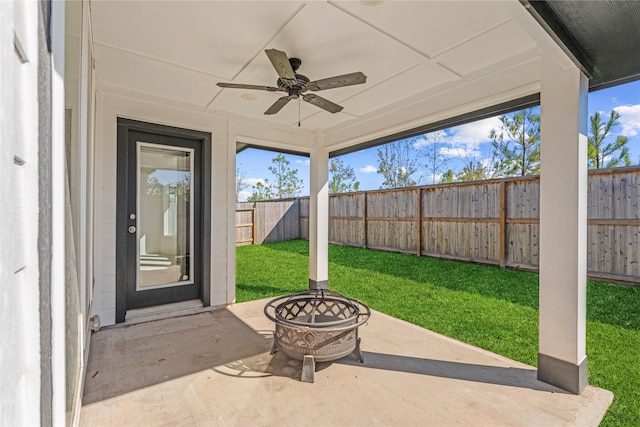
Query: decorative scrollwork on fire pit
[(320, 324)]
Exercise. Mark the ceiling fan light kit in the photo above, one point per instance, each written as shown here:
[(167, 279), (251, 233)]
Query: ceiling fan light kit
[(295, 85)]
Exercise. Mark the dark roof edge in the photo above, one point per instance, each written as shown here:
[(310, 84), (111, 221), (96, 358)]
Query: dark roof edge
[(495, 110), (548, 20), (241, 146), (613, 83)]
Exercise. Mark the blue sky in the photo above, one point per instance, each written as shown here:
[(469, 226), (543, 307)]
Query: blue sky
[(467, 142)]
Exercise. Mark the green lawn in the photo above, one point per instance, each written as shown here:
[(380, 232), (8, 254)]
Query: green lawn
[(492, 308)]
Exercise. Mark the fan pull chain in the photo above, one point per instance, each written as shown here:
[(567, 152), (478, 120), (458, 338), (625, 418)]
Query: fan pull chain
[(298, 111)]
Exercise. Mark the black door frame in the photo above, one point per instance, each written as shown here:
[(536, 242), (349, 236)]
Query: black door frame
[(125, 127)]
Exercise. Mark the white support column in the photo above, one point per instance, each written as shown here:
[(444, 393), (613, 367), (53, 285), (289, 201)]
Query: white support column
[(562, 359), (231, 217), (319, 219)]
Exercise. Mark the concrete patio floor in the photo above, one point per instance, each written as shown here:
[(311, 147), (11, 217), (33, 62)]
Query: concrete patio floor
[(214, 369)]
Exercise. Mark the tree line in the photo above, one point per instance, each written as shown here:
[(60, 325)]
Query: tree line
[(515, 152), (286, 182)]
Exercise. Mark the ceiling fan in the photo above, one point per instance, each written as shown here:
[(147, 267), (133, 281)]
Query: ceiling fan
[(295, 85)]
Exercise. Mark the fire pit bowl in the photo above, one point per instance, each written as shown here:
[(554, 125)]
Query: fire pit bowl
[(316, 325)]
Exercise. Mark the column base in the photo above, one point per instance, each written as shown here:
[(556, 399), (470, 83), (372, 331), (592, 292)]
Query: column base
[(565, 375), (322, 284)]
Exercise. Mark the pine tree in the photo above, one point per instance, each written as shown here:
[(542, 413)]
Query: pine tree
[(436, 163), (474, 171), (397, 163), (240, 184), (286, 182), (516, 145), (261, 191), (609, 155), (342, 178), (448, 177)]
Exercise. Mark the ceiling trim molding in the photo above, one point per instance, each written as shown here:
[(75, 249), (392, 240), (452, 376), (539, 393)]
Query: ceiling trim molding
[(102, 45)]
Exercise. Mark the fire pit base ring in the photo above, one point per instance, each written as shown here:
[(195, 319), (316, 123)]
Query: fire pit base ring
[(316, 326)]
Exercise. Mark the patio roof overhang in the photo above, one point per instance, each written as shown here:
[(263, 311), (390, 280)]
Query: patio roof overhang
[(426, 62), (603, 37), (429, 64)]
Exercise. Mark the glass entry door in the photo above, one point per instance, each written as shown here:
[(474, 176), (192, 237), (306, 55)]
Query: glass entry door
[(163, 217)]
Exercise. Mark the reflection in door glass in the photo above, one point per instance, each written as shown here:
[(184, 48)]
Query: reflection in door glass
[(164, 220)]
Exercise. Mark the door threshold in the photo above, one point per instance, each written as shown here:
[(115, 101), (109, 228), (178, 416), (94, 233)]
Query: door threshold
[(165, 311)]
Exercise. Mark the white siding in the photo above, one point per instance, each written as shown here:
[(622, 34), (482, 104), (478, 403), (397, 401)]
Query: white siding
[(19, 275)]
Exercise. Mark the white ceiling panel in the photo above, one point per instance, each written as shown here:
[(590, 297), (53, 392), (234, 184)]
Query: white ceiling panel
[(347, 46), (409, 50), (487, 49), (217, 37), (146, 75), (430, 27), (406, 84)]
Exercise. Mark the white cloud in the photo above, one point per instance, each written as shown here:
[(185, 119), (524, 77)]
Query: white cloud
[(305, 162), (453, 152), (629, 119), (368, 169), (252, 181), (487, 164), (472, 134), (439, 137), (244, 195), (434, 178), (421, 142), (463, 152)]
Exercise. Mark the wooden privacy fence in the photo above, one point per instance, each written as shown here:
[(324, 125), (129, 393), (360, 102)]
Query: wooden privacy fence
[(491, 222), (245, 226), (267, 221)]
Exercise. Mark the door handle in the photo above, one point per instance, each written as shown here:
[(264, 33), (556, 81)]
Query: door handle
[(132, 229)]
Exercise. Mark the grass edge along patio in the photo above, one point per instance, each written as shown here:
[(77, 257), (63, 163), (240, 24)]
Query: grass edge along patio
[(492, 308)]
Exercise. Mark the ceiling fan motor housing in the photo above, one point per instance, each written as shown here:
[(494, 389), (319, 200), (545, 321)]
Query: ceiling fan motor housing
[(294, 87)]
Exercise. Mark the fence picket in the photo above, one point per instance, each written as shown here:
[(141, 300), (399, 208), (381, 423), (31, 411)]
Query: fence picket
[(494, 222)]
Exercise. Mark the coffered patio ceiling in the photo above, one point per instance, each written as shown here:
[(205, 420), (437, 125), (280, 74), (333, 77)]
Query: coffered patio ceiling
[(424, 60)]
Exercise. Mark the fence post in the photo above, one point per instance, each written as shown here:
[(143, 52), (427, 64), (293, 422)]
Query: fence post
[(418, 221), (503, 224), (298, 218), (254, 225), (364, 220)]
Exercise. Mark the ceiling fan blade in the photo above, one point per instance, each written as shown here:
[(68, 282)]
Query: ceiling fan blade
[(242, 86), (281, 102), (325, 104), (338, 81), (281, 63)]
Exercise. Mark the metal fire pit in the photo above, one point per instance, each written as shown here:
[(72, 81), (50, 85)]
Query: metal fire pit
[(316, 325)]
